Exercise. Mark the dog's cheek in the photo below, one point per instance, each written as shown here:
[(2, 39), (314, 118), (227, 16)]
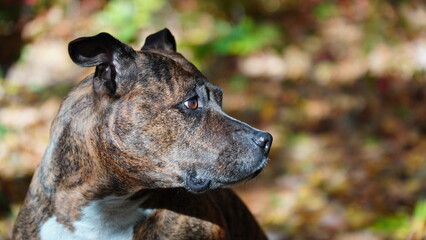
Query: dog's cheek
[(143, 127), (187, 155), (165, 130)]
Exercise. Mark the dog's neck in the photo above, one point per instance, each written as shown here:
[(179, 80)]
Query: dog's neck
[(81, 204), (71, 181)]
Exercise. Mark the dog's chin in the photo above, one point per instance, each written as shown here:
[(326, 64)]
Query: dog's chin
[(196, 184), (233, 182)]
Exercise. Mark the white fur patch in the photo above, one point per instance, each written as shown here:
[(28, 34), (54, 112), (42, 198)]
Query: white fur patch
[(112, 218)]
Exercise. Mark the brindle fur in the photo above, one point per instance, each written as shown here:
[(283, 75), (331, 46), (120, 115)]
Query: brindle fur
[(132, 135)]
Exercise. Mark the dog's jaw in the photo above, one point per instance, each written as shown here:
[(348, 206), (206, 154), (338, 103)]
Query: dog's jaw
[(199, 183)]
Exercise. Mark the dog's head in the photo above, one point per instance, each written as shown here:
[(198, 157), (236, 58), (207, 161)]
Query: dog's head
[(160, 123)]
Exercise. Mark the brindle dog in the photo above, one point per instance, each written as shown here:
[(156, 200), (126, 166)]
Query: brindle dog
[(141, 149)]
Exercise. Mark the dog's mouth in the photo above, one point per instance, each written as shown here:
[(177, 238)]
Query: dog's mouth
[(197, 184)]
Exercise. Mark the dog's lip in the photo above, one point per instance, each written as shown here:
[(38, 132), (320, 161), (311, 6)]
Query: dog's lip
[(196, 184), (199, 184)]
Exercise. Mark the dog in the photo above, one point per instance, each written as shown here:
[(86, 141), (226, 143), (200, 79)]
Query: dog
[(141, 149)]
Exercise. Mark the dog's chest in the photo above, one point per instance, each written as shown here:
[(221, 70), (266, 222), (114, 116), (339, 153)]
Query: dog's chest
[(112, 218)]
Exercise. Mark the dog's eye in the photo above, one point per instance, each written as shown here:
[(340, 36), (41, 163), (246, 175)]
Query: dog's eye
[(192, 103)]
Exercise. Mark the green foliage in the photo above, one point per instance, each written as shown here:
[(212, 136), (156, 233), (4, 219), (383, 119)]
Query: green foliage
[(418, 222), (325, 10), (371, 141), (395, 225), (420, 211), (401, 225), (242, 39), (376, 30), (3, 131), (125, 18)]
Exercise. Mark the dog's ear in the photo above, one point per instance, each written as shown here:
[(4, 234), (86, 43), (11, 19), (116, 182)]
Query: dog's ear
[(162, 40), (113, 59)]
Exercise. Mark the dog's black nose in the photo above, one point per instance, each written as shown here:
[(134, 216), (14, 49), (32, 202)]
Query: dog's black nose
[(263, 140)]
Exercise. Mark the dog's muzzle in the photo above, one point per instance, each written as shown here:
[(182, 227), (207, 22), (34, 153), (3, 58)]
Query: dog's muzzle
[(197, 182)]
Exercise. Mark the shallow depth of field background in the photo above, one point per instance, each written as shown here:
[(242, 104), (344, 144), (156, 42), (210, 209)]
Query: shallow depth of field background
[(341, 85)]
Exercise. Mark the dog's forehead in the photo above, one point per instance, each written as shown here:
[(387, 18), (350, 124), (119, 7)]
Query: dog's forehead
[(174, 58), (173, 68)]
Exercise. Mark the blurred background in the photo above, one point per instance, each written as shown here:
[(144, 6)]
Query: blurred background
[(341, 85)]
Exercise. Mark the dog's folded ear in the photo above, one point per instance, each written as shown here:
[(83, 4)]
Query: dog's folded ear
[(162, 40), (112, 58)]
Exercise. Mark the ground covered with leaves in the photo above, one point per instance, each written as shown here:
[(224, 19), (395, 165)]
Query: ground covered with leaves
[(341, 85)]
